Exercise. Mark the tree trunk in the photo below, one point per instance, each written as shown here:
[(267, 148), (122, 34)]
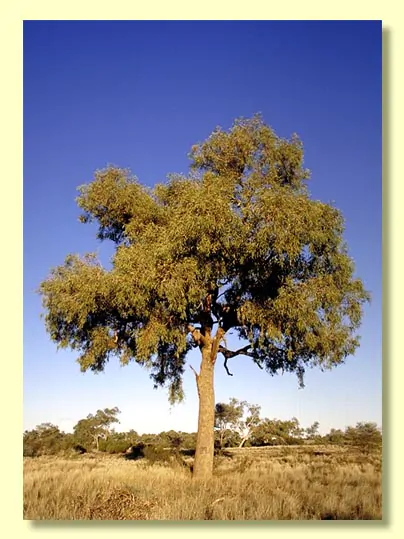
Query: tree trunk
[(203, 464), (221, 438), (243, 442)]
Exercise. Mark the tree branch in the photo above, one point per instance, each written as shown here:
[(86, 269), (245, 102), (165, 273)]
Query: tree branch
[(216, 342), (197, 335), (225, 366), (256, 362), (230, 353), (194, 371)]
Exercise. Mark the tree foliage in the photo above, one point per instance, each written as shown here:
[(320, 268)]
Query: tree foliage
[(236, 243), (312, 432), (96, 426), (236, 417), (365, 434), (48, 439), (227, 417), (45, 439), (118, 442), (335, 436), (277, 432)]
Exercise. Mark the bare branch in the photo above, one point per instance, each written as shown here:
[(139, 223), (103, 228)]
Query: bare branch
[(230, 353), (225, 366), (196, 374), (258, 364)]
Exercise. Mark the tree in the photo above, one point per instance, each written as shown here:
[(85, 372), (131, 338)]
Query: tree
[(276, 432), (96, 427), (237, 416), (118, 442), (237, 243), (365, 434), (335, 436), (266, 433), (45, 439), (312, 432), (249, 421), (227, 417)]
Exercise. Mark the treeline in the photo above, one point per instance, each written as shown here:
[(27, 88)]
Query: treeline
[(237, 424)]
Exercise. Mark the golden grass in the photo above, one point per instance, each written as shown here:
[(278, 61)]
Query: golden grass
[(252, 484)]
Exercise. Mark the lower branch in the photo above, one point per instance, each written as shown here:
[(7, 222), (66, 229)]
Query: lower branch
[(225, 366), (228, 354), (194, 371)]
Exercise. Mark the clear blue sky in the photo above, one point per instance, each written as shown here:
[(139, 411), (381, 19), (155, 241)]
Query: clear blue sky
[(138, 95)]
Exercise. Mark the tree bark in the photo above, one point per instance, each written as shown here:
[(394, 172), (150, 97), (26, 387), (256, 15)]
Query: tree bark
[(221, 438), (203, 464), (243, 442)]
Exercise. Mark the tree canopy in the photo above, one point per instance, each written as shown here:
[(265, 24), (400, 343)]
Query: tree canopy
[(237, 416), (277, 431), (96, 426), (236, 243)]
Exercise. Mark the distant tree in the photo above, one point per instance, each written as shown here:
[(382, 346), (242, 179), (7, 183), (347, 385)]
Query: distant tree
[(227, 417), (117, 442), (189, 440), (277, 432), (335, 436), (266, 433), (312, 432), (175, 439), (294, 430), (237, 416), (365, 434), (68, 442), (30, 443), (45, 439), (150, 439), (132, 435), (238, 243), (249, 420), (96, 427), (171, 439)]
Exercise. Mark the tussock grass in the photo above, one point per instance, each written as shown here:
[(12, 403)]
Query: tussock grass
[(249, 484)]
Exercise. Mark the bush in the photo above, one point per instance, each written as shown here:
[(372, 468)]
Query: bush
[(45, 439), (157, 454), (79, 449)]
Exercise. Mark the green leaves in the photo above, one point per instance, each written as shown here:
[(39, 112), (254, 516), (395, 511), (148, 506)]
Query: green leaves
[(237, 416), (236, 243), (96, 426), (119, 204)]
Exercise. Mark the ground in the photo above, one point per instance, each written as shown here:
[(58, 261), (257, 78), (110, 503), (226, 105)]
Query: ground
[(271, 483)]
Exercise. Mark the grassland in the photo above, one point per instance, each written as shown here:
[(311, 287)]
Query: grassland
[(278, 483)]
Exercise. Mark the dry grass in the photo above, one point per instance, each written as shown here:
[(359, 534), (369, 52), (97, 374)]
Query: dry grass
[(251, 484)]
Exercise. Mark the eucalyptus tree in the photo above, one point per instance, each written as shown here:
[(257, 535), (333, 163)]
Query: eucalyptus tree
[(96, 426), (227, 417), (236, 243), (236, 416)]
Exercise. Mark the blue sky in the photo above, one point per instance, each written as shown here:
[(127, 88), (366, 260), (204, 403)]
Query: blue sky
[(138, 95)]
